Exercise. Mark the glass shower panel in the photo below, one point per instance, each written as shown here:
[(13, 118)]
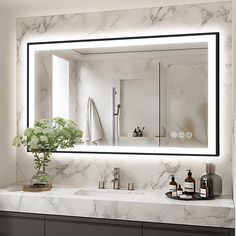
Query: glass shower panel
[(162, 106), (184, 88)]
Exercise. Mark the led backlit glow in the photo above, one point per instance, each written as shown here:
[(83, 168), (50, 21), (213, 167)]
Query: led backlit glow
[(210, 39)]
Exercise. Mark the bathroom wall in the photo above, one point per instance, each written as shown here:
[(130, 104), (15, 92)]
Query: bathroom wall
[(7, 101), (234, 97), (145, 171)]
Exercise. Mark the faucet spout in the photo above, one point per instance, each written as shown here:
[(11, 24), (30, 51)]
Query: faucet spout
[(116, 178)]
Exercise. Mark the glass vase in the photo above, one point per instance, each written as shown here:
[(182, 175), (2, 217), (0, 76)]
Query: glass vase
[(41, 178)]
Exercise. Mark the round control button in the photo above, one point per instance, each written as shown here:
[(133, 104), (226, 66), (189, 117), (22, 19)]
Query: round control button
[(189, 135), (173, 134), (181, 134)]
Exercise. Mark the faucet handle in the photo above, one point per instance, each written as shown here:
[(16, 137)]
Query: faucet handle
[(131, 186), (101, 185), (114, 180)]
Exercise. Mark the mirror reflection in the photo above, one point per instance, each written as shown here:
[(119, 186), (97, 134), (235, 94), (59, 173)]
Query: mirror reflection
[(149, 95)]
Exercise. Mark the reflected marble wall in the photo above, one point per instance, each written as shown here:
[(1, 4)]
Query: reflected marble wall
[(187, 105), (96, 79), (147, 172), (44, 84)]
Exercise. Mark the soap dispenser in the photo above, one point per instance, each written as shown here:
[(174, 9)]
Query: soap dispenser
[(172, 185), (189, 184)]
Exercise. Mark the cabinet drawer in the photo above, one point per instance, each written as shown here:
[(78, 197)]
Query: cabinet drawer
[(71, 226), (17, 224), (150, 229)]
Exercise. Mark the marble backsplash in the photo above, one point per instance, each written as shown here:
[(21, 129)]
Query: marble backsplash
[(145, 171)]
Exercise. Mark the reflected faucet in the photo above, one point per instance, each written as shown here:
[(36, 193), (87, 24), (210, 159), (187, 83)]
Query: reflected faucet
[(116, 178)]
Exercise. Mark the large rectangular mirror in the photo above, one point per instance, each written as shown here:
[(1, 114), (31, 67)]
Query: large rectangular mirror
[(139, 95)]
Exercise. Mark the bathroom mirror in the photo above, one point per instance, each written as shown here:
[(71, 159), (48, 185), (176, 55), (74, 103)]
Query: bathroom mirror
[(137, 95)]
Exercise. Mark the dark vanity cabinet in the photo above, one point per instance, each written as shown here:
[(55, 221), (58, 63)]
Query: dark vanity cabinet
[(24, 224), (74, 226), (18, 224), (155, 229)]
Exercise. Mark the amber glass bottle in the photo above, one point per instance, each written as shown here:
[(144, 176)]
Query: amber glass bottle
[(179, 191), (204, 193), (189, 184), (172, 185)]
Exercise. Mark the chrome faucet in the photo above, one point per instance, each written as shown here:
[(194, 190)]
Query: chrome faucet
[(116, 178)]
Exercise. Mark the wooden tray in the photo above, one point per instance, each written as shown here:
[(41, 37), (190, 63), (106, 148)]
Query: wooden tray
[(36, 188), (196, 197)]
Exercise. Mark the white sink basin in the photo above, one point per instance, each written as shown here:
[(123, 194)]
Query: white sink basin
[(111, 194), (107, 192)]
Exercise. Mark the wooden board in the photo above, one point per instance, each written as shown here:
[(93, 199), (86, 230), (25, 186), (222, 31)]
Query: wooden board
[(36, 188)]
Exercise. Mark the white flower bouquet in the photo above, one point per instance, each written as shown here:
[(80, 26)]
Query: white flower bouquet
[(47, 136)]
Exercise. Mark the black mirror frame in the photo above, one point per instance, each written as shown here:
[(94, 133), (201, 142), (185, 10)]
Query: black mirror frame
[(217, 37)]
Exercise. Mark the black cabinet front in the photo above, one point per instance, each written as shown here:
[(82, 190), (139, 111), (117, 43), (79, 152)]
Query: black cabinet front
[(150, 229), (73, 226), (17, 224), (24, 224)]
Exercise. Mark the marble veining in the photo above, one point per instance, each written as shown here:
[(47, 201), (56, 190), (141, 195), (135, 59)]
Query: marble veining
[(85, 170), (161, 13), (140, 205)]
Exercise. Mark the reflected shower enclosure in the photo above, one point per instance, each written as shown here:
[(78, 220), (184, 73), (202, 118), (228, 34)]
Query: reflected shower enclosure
[(144, 93)]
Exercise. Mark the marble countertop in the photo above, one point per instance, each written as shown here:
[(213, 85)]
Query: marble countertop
[(138, 205)]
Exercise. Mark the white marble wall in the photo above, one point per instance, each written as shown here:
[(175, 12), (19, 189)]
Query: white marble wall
[(146, 171)]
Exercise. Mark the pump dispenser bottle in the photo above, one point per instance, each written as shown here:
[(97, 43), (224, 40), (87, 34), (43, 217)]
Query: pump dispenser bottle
[(189, 184), (172, 185)]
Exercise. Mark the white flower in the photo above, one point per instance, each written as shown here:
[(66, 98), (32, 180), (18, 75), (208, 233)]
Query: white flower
[(65, 134), (37, 130), (49, 132), (43, 138), (28, 131), (34, 143)]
